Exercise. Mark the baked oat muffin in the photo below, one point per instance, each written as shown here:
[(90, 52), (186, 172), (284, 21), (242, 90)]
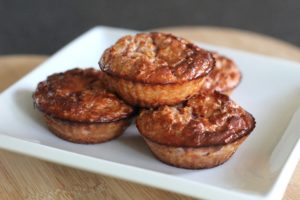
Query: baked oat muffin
[(154, 69), (202, 132), (78, 108), (225, 76)]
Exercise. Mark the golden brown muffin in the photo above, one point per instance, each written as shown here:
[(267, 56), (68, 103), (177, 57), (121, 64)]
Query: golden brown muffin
[(224, 77), (153, 69), (78, 108), (203, 132)]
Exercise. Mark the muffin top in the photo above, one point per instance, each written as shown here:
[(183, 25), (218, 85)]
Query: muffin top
[(78, 95), (156, 58), (204, 120), (224, 77)]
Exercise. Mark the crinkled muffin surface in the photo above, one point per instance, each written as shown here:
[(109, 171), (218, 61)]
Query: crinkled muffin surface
[(208, 119), (224, 77), (78, 95), (156, 58)]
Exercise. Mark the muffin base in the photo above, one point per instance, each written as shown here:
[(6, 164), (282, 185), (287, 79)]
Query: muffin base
[(86, 133), (153, 95), (194, 157)]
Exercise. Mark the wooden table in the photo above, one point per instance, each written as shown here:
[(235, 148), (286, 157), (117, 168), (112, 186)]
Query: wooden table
[(23, 177)]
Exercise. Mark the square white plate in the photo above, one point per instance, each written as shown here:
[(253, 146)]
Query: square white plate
[(260, 169)]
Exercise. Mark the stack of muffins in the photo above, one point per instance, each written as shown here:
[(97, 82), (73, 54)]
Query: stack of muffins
[(177, 89)]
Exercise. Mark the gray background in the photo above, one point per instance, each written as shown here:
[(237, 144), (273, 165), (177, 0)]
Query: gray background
[(42, 27)]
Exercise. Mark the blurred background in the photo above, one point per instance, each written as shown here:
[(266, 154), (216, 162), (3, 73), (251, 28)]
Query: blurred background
[(42, 27)]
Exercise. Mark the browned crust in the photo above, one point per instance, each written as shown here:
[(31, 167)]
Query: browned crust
[(225, 76), (204, 120), (194, 158), (152, 95), (78, 95), (156, 58), (86, 133)]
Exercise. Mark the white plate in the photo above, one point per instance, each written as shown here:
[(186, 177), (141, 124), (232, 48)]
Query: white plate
[(270, 90)]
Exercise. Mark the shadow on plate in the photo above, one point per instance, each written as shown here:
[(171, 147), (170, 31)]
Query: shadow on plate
[(24, 101), (136, 142)]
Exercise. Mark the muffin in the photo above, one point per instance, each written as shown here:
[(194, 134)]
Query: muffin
[(225, 76), (77, 107), (202, 132), (155, 69)]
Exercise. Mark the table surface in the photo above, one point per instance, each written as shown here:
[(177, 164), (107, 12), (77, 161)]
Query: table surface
[(23, 177)]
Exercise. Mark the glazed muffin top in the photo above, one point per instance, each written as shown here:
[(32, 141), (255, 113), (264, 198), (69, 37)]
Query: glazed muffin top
[(78, 95), (224, 77), (156, 58), (204, 120)]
